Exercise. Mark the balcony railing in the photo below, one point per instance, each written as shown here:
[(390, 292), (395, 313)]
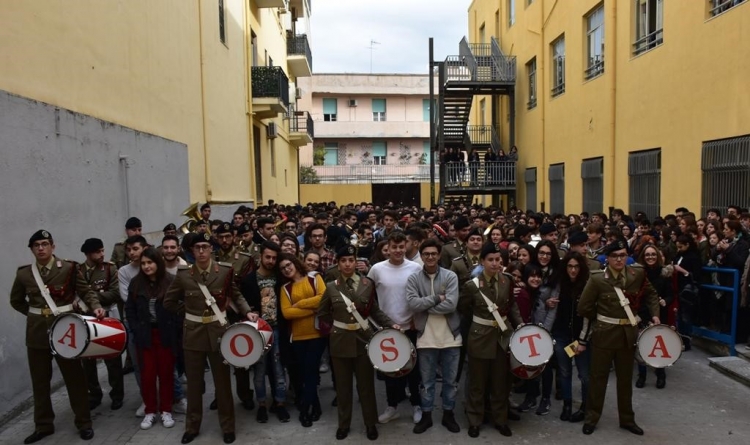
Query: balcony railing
[(480, 62), (493, 174), (719, 6), (270, 82), (648, 41), (373, 174), (299, 46), (301, 122), (596, 67)]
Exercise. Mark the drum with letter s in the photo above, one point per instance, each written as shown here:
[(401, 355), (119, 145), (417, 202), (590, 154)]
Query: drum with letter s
[(244, 343), (531, 347), (659, 346), (81, 336), (392, 353)]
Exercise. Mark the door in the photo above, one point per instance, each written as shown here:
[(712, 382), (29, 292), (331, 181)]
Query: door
[(399, 194)]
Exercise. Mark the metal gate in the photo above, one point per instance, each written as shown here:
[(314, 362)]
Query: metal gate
[(592, 174), (644, 174), (726, 173), (530, 178), (557, 188)]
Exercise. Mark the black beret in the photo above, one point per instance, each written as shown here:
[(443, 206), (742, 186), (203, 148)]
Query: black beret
[(547, 228), (201, 222), (576, 238), (475, 232), (92, 245), (223, 228), (243, 229), (201, 238), (169, 227), (614, 246), (489, 248), (346, 251), (133, 223), (461, 223), (40, 235)]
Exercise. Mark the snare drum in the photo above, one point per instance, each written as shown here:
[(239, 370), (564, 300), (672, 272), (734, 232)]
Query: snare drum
[(531, 347), (244, 343), (392, 353), (659, 346), (81, 336)]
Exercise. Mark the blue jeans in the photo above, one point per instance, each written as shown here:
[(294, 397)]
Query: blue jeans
[(271, 358), (428, 363), (308, 353), (565, 367)]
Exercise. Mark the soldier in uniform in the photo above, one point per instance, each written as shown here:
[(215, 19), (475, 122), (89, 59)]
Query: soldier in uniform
[(203, 329), (244, 237), (101, 276), (133, 227), (615, 332), (457, 247), (348, 340), (62, 279), (488, 342), (464, 264)]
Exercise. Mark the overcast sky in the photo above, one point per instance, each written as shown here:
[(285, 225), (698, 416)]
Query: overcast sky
[(342, 30)]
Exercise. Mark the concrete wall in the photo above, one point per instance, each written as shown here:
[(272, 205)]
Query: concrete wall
[(61, 171)]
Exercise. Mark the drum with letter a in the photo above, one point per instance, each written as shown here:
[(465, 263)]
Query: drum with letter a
[(244, 343), (392, 353), (81, 336), (659, 346), (531, 347)]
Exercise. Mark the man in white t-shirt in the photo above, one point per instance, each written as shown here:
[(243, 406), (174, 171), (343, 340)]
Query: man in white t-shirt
[(390, 279)]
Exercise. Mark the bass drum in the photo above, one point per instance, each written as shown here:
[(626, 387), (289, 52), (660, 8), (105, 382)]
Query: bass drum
[(531, 348), (81, 336), (392, 353), (245, 343), (658, 346)]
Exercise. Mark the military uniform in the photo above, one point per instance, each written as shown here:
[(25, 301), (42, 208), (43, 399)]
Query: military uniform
[(347, 344), (119, 257), (201, 336), (594, 264), (609, 341), (463, 266), (63, 280), (450, 251), (488, 346)]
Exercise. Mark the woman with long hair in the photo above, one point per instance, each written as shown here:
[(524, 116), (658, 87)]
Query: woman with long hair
[(688, 269), (381, 253), (526, 254), (311, 261), (156, 333)]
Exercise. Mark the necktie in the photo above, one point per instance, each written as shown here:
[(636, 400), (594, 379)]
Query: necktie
[(88, 275), (205, 276), (493, 286), (621, 281), (45, 271), (350, 284)]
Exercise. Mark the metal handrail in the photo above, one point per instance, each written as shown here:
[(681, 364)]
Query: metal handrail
[(299, 46), (270, 81), (300, 121), (373, 174), (648, 41), (464, 51), (596, 67), (722, 5), (506, 65), (731, 338), (492, 174)]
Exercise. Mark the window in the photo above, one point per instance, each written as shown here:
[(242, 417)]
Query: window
[(595, 46), (716, 7), (592, 173), (481, 34), (558, 66), (332, 154), (254, 45), (648, 25), (222, 23), (511, 12), (557, 188), (531, 71), (378, 110), (482, 111), (426, 152), (378, 153), (426, 110), (644, 175), (530, 179), (329, 110), (726, 173)]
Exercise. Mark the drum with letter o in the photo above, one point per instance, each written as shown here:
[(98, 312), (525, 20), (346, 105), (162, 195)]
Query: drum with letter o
[(81, 336), (531, 347), (659, 346), (244, 343), (392, 353)]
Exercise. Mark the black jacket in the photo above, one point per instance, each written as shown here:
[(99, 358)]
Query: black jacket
[(139, 318), (663, 286)]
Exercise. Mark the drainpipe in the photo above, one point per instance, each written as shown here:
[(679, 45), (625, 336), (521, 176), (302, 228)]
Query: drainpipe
[(541, 94), (206, 170), (126, 165), (613, 101)]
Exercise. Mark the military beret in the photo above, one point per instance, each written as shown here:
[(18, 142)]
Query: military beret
[(133, 223), (346, 251), (547, 228), (243, 229), (169, 227), (40, 235), (92, 245), (201, 222), (614, 246), (488, 249), (439, 232), (475, 232), (576, 238), (201, 238), (461, 223), (223, 228)]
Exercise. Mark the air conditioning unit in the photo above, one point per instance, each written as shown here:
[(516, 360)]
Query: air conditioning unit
[(298, 93), (272, 130), (352, 103)]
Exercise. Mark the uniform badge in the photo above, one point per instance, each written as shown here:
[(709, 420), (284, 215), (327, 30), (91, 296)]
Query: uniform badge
[(45, 233), (59, 264)]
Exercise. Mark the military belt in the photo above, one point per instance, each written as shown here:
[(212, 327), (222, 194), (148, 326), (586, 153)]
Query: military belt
[(610, 320), (486, 322), (205, 319), (48, 312), (346, 326)]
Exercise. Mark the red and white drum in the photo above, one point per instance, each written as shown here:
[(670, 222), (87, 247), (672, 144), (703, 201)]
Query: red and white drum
[(659, 346), (531, 347), (392, 353), (81, 336), (245, 343)]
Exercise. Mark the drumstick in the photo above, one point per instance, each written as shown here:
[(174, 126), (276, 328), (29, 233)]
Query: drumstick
[(377, 326)]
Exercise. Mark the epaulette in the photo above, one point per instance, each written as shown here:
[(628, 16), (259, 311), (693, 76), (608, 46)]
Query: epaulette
[(636, 265), (509, 275), (458, 258), (74, 263), (26, 265), (184, 267), (597, 271), (110, 263), (245, 253), (221, 263)]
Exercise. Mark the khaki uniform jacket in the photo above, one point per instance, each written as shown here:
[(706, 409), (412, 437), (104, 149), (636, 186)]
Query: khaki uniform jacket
[(344, 343), (463, 267), (185, 296), (594, 265), (599, 298), (104, 281), (483, 340), (241, 262), (450, 251), (64, 281), (119, 256)]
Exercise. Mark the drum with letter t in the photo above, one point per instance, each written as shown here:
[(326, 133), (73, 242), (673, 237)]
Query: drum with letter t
[(244, 343), (531, 347), (392, 353), (659, 346), (80, 336)]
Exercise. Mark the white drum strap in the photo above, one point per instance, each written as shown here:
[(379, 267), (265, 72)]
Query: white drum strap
[(211, 302), (44, 290), (492, 308), (352, 309), (626, 305)]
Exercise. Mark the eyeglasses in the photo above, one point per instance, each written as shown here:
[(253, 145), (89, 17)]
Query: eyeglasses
[(619, 257), (545, 254), (429, 254), (43, 244), (202, 247)]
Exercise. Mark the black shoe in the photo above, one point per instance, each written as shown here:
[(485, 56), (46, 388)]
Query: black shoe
[(588, 428), (94, 403), (527, 405), (661, 382), (424, 423), (248, 404), (504, 430), (304, 419), (566, 412), (229, 437), (372, 432), (282, 413), (449, 421), (641, 382), (341, 433), (512, 415), (116, 404), (473, 431), (88, 433), (262, 415), (635, 429), (578, 416), (188, 437), (36, 436), (213, 406), (544, 407), (335, 401), (316, 412)]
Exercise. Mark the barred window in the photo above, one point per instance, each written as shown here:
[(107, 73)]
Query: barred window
[(530, 179), (531, 70), (557, 188), (595, 43), (644, 175), (649, 18), (726, 173), (592, 174), (558, 66)]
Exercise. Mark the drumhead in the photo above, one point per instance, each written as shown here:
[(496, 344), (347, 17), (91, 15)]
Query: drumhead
[(531, 345), (524, 372), (241, 345), (389, 350), (659, 346), (108, 338), (69, 335)]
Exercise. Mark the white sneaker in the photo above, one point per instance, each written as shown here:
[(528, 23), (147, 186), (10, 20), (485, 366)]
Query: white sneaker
[(141, 411), (417, 416), (166, 420), (148, 421), (389, 414), (183, 379), (180, 407), (323, 368)]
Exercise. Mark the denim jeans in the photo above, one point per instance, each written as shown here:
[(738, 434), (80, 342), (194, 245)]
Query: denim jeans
[(429, 358), (272, 358), (565, 367)]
